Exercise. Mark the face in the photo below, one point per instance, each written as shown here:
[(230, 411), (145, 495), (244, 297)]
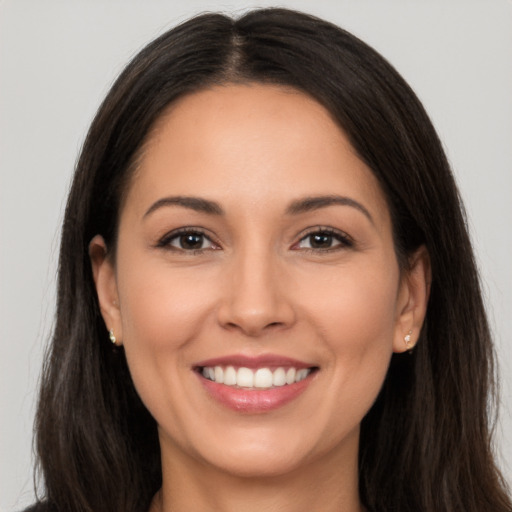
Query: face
[(255, 288)]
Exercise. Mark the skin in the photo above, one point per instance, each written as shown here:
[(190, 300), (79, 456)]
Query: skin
[(257, 287)]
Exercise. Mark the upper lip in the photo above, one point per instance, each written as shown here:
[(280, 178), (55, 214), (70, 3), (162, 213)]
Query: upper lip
[(254, 362)]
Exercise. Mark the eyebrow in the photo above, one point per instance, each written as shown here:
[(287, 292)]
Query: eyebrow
[(297, 207), (309, 204), (193, 203)]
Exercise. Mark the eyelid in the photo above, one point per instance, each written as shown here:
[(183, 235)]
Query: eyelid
[(346, 241), (164, 241)]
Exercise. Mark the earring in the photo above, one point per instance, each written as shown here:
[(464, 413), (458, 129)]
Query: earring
[(112, 336), (407, 339)]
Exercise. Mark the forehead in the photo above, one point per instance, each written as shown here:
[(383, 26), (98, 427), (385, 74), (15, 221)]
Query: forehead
[(254, 143)]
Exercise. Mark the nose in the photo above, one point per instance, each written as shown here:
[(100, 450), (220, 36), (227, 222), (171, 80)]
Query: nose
[(255, 296)]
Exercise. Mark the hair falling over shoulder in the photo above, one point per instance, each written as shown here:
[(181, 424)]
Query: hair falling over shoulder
[(426, 443)]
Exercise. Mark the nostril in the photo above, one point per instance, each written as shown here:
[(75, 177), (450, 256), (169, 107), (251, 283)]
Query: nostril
[(253, 328), (255, 311)]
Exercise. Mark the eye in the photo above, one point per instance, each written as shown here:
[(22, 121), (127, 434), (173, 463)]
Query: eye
[(323, 240), (187, 240)]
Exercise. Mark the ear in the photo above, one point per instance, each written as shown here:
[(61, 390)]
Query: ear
[(103, 271), (412, 300)]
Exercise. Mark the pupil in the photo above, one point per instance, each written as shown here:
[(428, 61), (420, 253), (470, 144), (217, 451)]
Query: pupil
[(191, 241), (321, 240)]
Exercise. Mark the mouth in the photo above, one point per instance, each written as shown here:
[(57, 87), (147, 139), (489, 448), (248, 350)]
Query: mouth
[(260, 378), (255, 384)]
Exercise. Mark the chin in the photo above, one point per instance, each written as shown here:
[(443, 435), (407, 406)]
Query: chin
[(266, 454), (259, 465)]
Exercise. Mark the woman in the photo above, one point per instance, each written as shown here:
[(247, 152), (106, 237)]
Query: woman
[(267, 295)]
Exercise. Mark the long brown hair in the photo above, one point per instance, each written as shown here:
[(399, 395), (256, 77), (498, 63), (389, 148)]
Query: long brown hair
[(425, 444)]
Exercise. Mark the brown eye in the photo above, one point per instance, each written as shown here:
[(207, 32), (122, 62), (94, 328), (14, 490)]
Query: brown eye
[(187, 241), (190, 241), (323, 240), (320, 240)]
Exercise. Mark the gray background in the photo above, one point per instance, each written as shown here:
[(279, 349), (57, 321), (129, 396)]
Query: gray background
[(57, 61)]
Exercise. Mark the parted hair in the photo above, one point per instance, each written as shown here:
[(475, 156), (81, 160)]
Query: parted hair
[(426, 443)]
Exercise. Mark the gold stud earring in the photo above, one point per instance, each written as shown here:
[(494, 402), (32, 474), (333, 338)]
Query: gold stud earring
[(407, 339), (112, 336)]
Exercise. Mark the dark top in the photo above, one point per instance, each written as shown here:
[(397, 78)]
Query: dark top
[(39, 507)]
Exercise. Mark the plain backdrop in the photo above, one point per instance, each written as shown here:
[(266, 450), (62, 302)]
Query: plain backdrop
[(57, 61)]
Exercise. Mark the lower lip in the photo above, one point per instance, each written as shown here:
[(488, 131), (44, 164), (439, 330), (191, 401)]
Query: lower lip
[(252, 400)]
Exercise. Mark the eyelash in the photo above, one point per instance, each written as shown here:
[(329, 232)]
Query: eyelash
[(344, 240), (166, 240)]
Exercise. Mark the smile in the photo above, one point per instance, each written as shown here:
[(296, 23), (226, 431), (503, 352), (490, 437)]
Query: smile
[(261, 378), (255, 385)]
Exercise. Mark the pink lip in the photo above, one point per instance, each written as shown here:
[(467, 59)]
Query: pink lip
[(264, 361), (254, 400)]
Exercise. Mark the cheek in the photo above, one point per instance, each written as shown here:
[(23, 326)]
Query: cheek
[(162, 311), (162, 307), (357, 303), (355, 313)]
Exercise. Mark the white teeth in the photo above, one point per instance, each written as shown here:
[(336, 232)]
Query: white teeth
[(245, 377), (219, 375), (230, 376), (301, 374), (290, 376), (279, 377), (262, 378)]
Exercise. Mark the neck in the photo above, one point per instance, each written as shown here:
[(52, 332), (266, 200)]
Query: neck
[(329, 484)]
